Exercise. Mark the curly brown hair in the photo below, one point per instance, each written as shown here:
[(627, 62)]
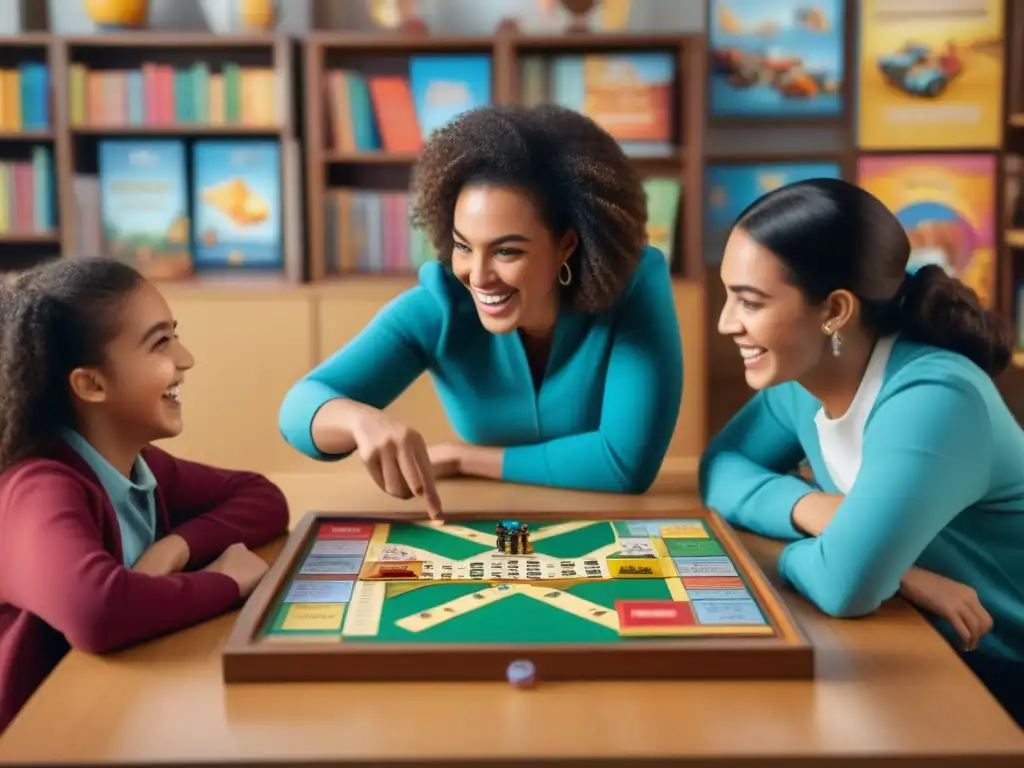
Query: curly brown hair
[(53, 319), (574, 170)]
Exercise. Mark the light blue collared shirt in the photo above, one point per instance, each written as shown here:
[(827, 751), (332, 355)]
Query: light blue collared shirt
[(134, 500)]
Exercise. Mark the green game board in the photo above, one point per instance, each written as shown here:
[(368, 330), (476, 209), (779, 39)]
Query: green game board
[(586, 581)]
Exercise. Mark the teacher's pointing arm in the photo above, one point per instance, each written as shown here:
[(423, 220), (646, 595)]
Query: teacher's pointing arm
[(371, 371)]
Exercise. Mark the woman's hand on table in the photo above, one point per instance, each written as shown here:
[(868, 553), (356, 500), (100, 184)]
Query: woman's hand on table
[(950, 600)]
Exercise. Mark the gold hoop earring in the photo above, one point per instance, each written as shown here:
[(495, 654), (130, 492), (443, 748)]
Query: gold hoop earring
[(565, 274)]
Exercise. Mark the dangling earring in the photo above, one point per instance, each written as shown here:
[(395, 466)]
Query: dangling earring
[(837, 340), (565, 274)]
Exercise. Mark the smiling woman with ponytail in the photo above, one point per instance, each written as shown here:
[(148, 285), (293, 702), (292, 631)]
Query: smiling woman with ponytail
[(882, 381)]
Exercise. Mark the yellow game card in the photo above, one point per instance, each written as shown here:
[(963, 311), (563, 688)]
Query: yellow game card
[(636, 568), (693, 529), (313, 617)]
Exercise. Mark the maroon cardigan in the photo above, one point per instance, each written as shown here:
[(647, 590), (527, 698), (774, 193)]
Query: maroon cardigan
[(63, 582)]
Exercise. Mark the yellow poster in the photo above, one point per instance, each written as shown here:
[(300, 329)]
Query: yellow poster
[(931, 74)]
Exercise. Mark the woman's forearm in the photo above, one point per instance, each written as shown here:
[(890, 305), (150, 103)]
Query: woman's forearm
[(481, 461), (335, 424)]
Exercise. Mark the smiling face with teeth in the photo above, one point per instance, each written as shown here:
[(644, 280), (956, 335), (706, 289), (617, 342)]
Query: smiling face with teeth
[(136, 393), (508, 259), (777, 332)]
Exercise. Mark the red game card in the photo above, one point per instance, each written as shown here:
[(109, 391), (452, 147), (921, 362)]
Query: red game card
[(653, 617), (345, 531)]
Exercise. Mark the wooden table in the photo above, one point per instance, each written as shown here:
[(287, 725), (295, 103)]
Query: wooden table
[(888, 691)]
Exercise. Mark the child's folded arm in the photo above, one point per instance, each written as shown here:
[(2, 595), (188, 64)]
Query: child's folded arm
[(53, 564), (212, 508)]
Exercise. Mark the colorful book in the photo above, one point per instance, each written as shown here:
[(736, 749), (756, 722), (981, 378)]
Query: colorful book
[(237, 203), (663, 214), (144, 205), (444, 87)]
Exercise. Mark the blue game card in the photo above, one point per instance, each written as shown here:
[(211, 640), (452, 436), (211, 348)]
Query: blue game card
[(340, 565), (319, 592), (704, 566), (727, 611), (718, 594)]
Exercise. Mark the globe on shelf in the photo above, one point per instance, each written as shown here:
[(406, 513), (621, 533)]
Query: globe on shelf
[(117, 14), (393, 14), (257, 15)]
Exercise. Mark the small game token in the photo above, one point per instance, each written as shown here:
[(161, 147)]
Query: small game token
[(521, 674)]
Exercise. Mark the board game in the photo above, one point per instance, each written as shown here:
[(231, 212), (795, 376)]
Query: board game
[(386, 597)]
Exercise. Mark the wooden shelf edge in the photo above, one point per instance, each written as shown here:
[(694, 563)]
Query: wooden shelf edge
[(27, 135), (29, 238), (1014, 238), (1018, 359), (170, 39), (176, 130), (27, 40), (398, 41)]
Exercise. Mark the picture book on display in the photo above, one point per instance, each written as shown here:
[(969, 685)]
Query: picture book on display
[(144, 205), (237, 204)]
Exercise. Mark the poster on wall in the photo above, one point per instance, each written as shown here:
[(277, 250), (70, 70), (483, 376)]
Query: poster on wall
[(947, 205), (782, 58), (731, 188), (930, 74)]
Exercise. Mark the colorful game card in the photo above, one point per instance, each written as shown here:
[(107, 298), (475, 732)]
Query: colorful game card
[(704, 566), (339, 548), (319, 592), (727, 612), (313, 617), (317, 565)]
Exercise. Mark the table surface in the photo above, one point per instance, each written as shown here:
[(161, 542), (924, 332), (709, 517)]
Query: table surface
[(888, 689)]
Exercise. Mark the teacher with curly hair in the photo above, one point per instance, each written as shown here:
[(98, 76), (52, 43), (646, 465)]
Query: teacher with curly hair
[(547, 324)]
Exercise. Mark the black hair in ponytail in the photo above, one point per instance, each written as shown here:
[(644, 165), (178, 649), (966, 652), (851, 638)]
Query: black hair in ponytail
[(832, 235)]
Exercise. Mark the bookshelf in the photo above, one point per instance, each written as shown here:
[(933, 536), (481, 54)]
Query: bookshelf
[(30, 220), (1010, 194), (330, 167), (210, 87)]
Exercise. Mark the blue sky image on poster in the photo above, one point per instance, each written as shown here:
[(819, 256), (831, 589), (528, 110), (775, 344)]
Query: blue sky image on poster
[(731, 188), (782, 58)]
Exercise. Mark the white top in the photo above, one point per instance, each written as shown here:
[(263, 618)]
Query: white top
[(842, 439)]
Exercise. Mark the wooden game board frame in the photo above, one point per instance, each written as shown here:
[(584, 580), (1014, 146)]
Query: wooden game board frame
[(788, 655)]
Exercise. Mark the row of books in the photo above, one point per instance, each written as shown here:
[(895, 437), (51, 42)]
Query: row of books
[(369, 231), (172, 209), (368, 112), (629, 94), (27, 198), (25, 98), (160, 94)]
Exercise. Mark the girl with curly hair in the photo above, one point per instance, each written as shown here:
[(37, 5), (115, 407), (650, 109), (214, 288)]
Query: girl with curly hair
[(106, 540), (547, 323)]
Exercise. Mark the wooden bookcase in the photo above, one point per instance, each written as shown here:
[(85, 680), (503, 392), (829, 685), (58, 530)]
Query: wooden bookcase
[(78, 138), (22, 247), (327, 168)]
